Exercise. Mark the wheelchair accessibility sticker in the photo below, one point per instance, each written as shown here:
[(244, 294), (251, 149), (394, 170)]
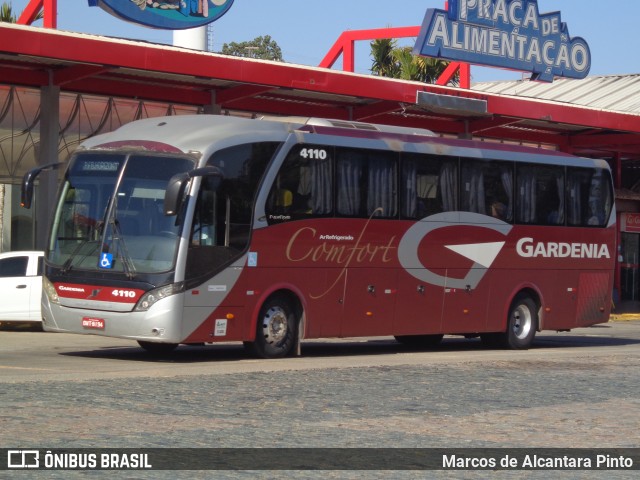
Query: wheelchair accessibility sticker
[(106, 260)]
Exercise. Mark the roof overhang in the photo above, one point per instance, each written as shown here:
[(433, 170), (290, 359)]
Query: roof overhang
[(89, 64)]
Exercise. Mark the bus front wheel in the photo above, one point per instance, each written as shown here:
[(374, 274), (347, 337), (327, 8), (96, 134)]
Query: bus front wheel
[(276, 330)]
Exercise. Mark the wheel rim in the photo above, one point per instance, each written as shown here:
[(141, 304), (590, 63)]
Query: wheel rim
[(275, 325), (521, 321)]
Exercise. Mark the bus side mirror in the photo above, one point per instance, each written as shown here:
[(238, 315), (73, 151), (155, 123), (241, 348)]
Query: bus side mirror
[(174, 196), (26, 193)]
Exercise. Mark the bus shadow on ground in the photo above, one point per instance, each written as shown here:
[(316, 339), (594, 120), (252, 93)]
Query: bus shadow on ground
[(352, 347), (21, 327)]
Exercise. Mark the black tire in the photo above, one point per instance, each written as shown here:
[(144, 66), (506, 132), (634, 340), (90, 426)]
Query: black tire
[(276, 329), (158, 348), (420, 341)]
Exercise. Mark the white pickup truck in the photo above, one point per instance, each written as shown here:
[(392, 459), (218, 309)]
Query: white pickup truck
[(21, 286)]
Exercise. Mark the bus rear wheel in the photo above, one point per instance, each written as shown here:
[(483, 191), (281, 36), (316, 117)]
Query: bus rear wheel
[(158, 348), (522, 323), (276, 331)]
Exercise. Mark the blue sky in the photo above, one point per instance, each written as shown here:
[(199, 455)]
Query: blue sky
[(306, 29)]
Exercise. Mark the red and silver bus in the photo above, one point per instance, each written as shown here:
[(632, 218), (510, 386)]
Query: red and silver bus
[(204, 229)]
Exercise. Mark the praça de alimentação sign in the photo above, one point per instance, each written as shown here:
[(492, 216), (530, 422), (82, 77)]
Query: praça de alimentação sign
[(504, 33), (166, 14)]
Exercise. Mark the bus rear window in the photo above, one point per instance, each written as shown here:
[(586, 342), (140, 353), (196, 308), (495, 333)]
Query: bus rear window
[(589, 197)]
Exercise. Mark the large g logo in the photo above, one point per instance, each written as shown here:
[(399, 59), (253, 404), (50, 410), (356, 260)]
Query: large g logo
[(482, 254)]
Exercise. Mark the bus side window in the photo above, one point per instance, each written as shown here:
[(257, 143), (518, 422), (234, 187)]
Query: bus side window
[(303, 186), (203, 228), (589, 197), (366, 183), (382, 185), (539, 192), (487, 188), (429, 185)]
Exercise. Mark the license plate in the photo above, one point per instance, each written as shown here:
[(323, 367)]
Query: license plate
[(93, 323)]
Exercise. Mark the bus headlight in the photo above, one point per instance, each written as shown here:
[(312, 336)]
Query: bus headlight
[(50, 291), (152, 296)]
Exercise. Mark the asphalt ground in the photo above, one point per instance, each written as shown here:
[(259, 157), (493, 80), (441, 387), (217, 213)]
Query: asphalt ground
[(571, 390)]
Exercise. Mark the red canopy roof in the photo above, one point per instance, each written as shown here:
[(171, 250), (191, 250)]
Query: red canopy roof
[(36, 57)]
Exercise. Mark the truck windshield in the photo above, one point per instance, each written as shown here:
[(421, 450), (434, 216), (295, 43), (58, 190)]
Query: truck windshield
[(109, 214)]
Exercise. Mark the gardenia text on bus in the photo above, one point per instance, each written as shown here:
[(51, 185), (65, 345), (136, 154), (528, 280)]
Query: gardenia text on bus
[(507, 34)]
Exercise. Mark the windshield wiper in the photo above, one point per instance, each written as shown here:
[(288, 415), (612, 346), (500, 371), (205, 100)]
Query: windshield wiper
[(95, 232), (68, 264), (121, 248), (116, 235)]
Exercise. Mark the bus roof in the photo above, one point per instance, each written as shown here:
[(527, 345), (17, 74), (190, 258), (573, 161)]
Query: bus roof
[(197, 133), (188, 133)]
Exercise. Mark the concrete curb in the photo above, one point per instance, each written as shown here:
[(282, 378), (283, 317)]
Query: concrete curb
[(624, 317)]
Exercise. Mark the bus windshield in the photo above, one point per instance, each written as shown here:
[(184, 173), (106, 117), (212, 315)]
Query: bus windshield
[(111, 203)]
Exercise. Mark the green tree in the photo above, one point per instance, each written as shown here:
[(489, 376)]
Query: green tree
[(384, 64), (7, 15), (392, 61), (264, 48)]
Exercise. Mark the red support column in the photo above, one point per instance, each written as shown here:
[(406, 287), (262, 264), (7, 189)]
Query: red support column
[(450, 71), (465, 76), (51, 13), (349, 56), (345, 46), (334, 52), (33, 9)]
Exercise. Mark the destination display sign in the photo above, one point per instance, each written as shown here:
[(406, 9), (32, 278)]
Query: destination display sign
[(166, 14), (509, 34)]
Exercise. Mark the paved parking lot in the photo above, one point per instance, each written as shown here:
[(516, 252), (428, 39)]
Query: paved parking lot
[(573, 390)]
